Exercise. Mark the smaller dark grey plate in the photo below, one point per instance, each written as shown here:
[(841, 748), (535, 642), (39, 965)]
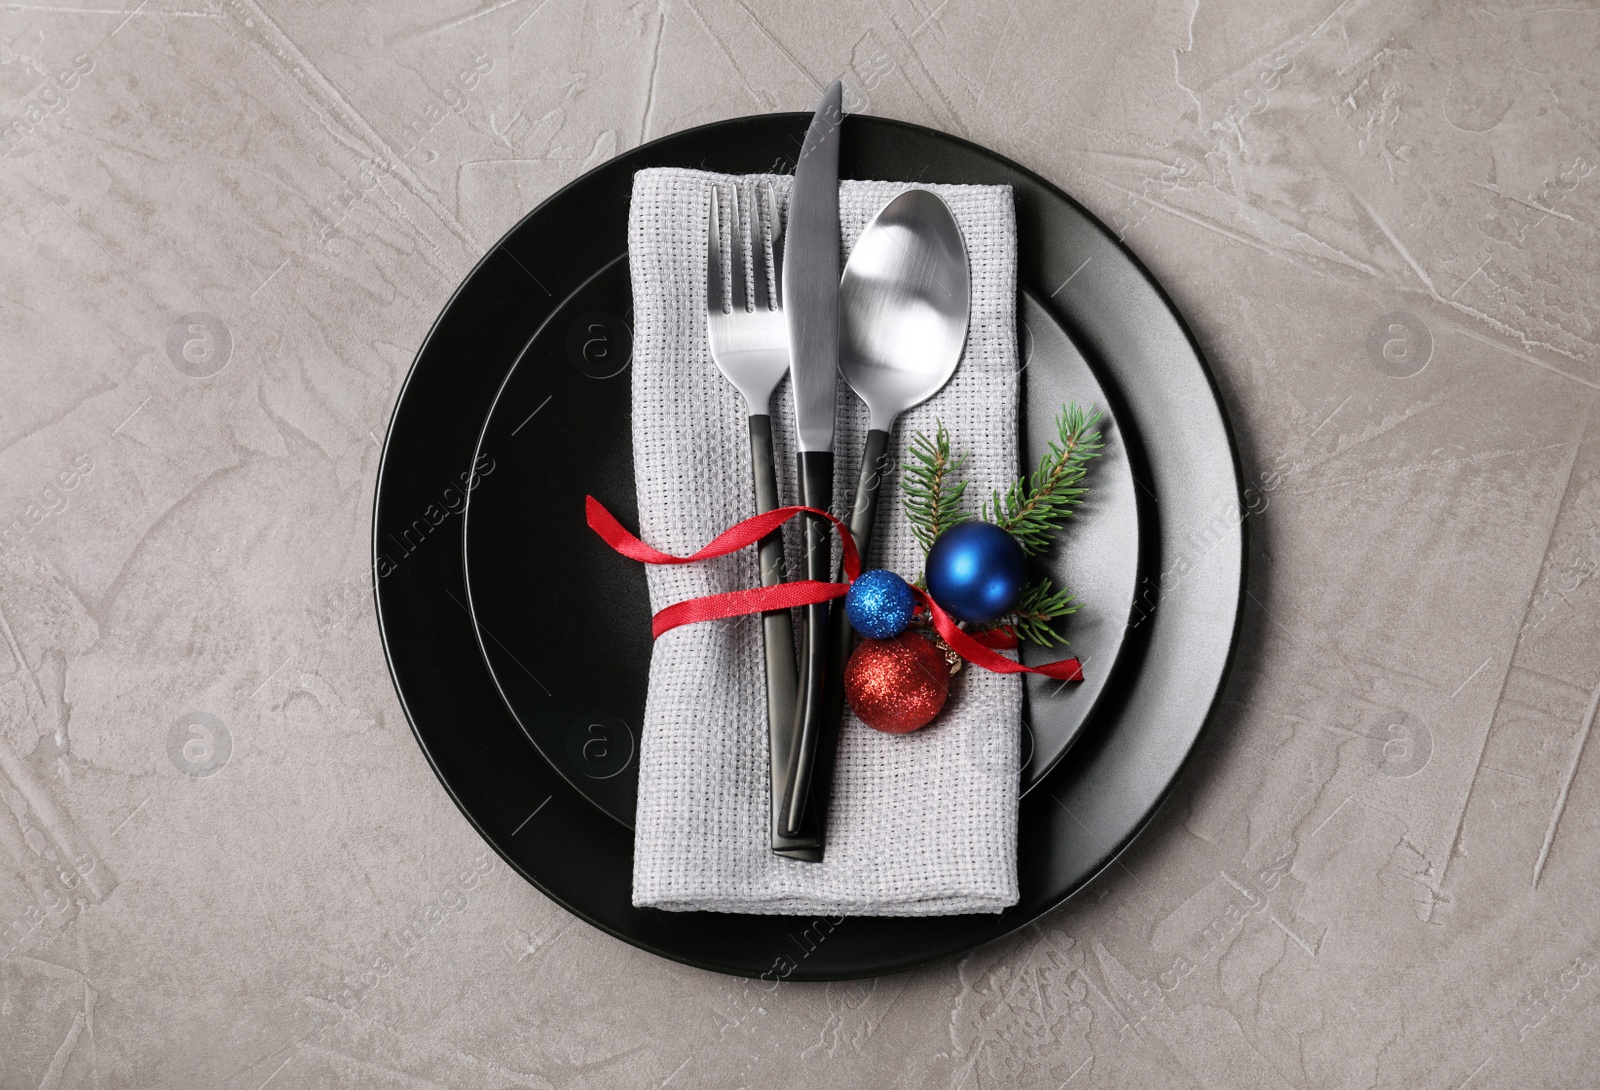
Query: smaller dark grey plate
[(536, 583)]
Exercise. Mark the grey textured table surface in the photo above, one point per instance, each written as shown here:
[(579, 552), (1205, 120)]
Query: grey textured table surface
[(223, 859)]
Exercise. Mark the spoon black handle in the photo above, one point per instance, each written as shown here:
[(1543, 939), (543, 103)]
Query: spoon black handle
[(816, 490), (875, 467)]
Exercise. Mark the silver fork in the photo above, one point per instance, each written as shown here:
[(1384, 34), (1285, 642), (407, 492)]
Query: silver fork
[(750, 346)]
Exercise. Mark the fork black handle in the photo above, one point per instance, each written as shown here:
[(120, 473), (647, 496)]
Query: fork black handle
[(765, 471), (777, 635), (816, 490)]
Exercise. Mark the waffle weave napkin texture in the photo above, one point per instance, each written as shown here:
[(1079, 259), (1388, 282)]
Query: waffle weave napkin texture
[(921, 824)]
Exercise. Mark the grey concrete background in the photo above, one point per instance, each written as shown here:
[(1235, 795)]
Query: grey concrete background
[(223, 860)]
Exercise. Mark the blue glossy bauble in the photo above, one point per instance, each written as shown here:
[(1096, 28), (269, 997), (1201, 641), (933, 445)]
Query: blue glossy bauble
[(975, 571), (879, 604)]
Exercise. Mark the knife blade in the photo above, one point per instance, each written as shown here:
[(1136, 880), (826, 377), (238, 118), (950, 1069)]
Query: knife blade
[(811, 275), (811, 307)]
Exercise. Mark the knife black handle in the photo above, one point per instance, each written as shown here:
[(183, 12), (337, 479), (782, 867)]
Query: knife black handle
[(777, 637), (875, 466), (816, 490)]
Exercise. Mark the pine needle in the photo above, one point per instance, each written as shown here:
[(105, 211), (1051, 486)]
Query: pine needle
[(932, 501), (1035, 615), (1035, 507)]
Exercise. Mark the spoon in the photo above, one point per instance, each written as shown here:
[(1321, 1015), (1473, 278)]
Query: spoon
[(904, 303)]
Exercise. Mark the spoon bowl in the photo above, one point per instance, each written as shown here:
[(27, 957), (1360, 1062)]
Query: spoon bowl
[(904, 305)]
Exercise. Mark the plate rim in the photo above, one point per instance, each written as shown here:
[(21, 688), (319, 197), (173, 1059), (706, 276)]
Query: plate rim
[(478, 630)]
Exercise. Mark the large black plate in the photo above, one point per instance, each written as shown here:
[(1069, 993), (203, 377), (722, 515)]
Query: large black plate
[(1173, 655), (561, 429)]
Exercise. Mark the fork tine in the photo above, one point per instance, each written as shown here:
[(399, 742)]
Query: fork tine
[(758, 254), (741, 300), (775, 229), (714, 303)]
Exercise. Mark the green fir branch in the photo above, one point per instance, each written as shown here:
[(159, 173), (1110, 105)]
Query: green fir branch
[(1034, 508), (932, 500)]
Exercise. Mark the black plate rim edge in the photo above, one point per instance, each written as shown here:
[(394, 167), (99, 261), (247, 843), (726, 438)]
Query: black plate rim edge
[(478, 630), (1139, 520), (1223, 677)]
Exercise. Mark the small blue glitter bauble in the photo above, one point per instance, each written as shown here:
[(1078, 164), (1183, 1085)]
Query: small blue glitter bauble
[(879, 604), (975, 571)]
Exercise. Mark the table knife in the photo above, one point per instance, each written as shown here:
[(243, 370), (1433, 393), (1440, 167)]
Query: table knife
[(811, 305)]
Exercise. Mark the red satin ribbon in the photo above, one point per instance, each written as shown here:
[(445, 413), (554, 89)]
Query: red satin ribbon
[(975, 649), (733, 603), (737, 603)]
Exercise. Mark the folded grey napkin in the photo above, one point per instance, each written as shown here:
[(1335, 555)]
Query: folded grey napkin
[(920, 824)]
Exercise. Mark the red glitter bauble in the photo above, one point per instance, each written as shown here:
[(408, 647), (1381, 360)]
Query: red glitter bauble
[(897, 685)]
